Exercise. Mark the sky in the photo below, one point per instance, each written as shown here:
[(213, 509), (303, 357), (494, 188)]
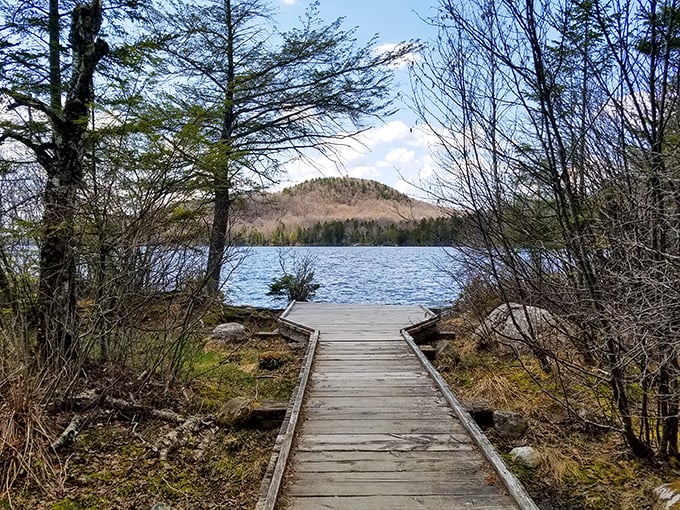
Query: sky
[(394, 151)]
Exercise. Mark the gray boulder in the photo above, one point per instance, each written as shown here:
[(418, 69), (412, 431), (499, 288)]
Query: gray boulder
[(509, 425), (230, 332), (513, 327), (526, 456)]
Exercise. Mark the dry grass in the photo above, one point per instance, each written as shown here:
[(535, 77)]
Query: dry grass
[(24, 428), (581, 468)]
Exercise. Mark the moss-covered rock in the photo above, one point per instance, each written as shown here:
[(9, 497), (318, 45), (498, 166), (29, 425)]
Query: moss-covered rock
[(235, 412)]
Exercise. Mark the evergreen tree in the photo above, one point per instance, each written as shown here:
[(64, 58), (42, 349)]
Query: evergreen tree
[(255, 96)]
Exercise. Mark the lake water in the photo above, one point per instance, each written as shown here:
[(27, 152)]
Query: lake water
[(362, 274)]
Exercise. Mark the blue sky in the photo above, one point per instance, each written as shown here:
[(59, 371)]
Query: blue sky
[(394, 151)]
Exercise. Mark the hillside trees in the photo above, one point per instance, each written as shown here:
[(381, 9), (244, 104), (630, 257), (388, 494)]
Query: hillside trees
[(255, 96), (558, 130)]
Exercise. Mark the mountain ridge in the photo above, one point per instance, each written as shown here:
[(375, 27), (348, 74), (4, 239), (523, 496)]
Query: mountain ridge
[(340, 211), (328, 199)]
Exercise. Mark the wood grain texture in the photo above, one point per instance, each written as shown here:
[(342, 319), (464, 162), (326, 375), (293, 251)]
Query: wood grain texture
[(376, 430)]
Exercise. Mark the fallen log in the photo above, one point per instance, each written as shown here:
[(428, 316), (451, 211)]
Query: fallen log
[(68, 436)]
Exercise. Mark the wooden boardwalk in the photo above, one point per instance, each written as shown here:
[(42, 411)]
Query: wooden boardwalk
[(373, 428)]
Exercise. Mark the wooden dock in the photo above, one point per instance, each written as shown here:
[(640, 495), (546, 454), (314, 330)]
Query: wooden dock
[(373, 426)]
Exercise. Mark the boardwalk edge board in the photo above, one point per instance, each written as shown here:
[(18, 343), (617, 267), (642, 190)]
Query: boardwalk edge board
[(423, 330), (514, 487), (271, 483), (292, 331)]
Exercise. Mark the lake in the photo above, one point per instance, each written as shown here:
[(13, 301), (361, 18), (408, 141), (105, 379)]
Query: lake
[(361, 274)]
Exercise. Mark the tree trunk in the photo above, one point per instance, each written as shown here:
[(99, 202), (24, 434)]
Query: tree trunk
[(218, 240), (222, 181), (56, 314)]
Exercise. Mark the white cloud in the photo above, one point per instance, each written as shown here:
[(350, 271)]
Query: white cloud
[(289, 2), (400, 156), (393, 153)]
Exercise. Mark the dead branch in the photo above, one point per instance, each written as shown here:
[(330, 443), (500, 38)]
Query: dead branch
[(68, 436), (177, 437)]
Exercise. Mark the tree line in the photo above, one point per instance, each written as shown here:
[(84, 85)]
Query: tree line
[(444, 231)]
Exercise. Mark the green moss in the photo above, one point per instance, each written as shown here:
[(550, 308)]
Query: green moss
[(90, 503), (67, 504), (103, 475)]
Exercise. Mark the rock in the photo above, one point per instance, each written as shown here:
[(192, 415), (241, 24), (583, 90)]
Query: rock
[(161, 506), (509, 425), (230, 332), (234, 412), (271, 360), (513, 327), (526, 456), (667, 497)]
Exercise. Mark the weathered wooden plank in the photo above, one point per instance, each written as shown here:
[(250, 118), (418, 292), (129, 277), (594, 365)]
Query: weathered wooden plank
[(470, 466), (365, 357), (381, 456), (313, 486), (381, 379), (382, 403), (371, 426), (378, 366), (375, 392), (359, 373), (357, 344), (365, 347), (339, 339), (438, 413), (461, 478), (391, 502), (367, 383), (378, 442)]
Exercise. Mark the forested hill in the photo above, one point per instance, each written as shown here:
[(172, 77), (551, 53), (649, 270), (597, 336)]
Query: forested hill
[(342, 211)]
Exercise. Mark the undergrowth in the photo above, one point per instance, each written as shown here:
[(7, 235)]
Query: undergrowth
[(112, 464), (581, 468)]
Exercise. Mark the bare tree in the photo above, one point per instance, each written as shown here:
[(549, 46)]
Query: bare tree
[(557, 127)]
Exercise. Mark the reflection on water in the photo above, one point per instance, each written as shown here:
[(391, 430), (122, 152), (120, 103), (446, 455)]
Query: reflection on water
[(362, 274)]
